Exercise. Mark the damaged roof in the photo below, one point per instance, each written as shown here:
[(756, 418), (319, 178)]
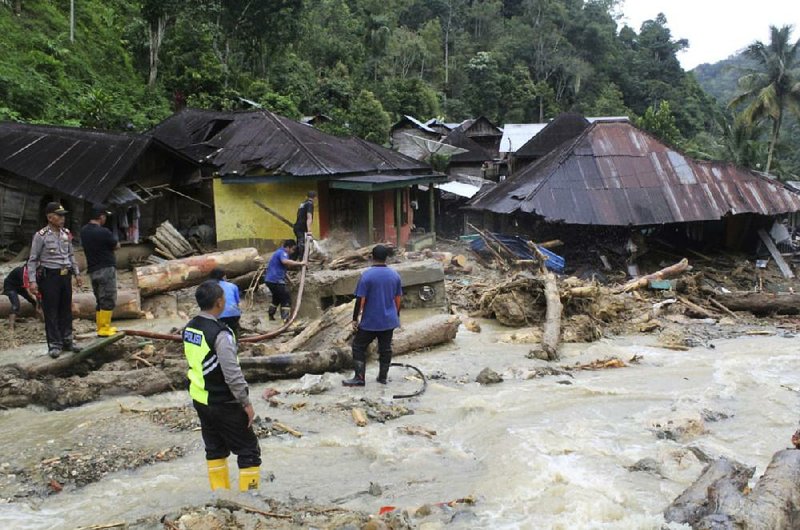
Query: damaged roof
[(83, 163), (615, 174), (260, 143)]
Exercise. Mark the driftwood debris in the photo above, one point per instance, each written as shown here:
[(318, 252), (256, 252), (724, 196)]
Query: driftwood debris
[(85, 304), (663, 274), (357, 258), (21, 386), (186, 272), (719, 499)]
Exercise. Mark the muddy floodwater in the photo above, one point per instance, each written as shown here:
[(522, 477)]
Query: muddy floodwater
[(590, 449)]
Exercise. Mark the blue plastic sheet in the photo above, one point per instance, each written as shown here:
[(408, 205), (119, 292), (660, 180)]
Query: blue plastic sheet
[(520, 248)]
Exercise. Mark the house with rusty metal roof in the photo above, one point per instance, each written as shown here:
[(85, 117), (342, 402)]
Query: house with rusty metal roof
[(259, 157), (613, 174), (79, 167)]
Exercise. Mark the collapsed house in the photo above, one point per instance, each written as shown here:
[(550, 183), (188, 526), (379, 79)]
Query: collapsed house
[(264, 164), (588, 182), (141, 180)]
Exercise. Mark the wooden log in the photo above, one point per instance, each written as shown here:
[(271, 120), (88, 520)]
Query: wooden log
[(84, 306), (359, 416), (719, 499), (552, 323), (696, 309), (667, 272), (425, 333), (786, 270), (460, 260), (723, 308), (692, 505), (186, 272), (761, 303), (45, 365)]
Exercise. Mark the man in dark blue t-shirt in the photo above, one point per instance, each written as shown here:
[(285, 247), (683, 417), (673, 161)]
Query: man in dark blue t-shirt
[(275, 278), (378, 295)]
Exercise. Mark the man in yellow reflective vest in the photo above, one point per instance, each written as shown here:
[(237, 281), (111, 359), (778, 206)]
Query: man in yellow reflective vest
[(220, 393)]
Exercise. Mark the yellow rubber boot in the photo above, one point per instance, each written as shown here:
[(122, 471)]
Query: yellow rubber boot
[(249, 478), (218, 474), (104, 328), (98, 318)]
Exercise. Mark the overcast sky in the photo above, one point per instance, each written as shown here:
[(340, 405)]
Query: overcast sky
[(716, 29)]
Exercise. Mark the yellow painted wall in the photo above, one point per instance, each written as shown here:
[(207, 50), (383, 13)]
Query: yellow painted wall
[(240, 222)]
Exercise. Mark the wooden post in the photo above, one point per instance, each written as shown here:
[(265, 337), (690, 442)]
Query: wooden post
[(370, 218), (786, 270), (398, 215), (432, 207)]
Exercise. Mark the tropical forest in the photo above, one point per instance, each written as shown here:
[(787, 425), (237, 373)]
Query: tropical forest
[(127, 64)]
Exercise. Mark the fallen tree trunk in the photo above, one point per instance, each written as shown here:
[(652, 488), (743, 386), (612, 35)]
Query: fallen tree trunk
[(667, 272), (84, 306), (18, 388), (60, 393), (44, 365), (761, 303), (718, 499), (180, 273), (552, 323)]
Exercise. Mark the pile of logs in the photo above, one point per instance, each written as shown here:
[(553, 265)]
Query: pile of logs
[(170, 243), (452, 263)]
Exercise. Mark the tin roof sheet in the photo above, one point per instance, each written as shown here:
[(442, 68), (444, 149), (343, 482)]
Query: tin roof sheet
[(616, 174)]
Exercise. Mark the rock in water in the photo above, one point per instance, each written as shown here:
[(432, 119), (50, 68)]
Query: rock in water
[(488, 377)]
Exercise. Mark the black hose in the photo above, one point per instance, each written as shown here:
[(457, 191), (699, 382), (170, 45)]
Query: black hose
[(418, 392)]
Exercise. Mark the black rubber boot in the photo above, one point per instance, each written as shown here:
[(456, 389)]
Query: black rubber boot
[(359, 368), (271, 312), (285, 314), (69, 345), (383, 373)]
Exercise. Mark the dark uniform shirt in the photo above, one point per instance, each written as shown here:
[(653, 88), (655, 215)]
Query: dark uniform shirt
[(306, 207), (99, 245), (14, 281)]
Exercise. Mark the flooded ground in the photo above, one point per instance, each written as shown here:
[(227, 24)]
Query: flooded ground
[(589, 449)]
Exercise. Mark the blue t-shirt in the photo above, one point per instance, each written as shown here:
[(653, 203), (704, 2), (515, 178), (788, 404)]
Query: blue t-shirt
[(379, 285), (231, 299), (276, 270)]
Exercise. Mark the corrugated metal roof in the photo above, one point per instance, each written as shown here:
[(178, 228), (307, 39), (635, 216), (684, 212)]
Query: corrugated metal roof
[(616, 174), (82, 163), (473, 151), (260, 142), (559, 130), (414, 123), (515, 135)]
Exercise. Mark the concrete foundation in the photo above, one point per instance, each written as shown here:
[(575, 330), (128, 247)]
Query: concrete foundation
[(423, 286)]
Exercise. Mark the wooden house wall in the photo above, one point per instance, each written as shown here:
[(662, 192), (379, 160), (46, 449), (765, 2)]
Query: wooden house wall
[(22, 209)]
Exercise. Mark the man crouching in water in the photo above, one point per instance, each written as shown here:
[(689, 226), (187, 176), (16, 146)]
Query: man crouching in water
[(220, 393)]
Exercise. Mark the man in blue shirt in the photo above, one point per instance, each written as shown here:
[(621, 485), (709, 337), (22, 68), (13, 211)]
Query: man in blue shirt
[(275, 278), (376, 315), (231, 314)]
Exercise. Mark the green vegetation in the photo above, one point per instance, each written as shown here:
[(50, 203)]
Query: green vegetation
[(362, 63)]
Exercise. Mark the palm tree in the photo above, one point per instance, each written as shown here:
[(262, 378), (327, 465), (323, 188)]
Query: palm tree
[(772, 85)]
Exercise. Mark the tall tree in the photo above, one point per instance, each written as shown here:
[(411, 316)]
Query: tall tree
[(773, 85), (157, 14)]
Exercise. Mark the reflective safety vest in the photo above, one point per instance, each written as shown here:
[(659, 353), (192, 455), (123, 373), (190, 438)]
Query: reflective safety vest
[(206, 382)]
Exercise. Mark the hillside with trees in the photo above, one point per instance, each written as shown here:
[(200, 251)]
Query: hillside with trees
[(363, 63)]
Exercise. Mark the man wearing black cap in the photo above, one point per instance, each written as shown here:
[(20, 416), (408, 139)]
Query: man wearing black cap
[(50, 270), (303, 223), (99, 244), (376, 315)]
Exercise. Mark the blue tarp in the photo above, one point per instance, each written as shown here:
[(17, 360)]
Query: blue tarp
[(520, 248)]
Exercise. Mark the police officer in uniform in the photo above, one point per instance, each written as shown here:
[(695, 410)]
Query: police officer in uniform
[(220, 393), (51, 267)]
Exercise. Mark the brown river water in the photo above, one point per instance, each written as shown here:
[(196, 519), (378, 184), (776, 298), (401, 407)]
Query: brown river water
[(547, 452)]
